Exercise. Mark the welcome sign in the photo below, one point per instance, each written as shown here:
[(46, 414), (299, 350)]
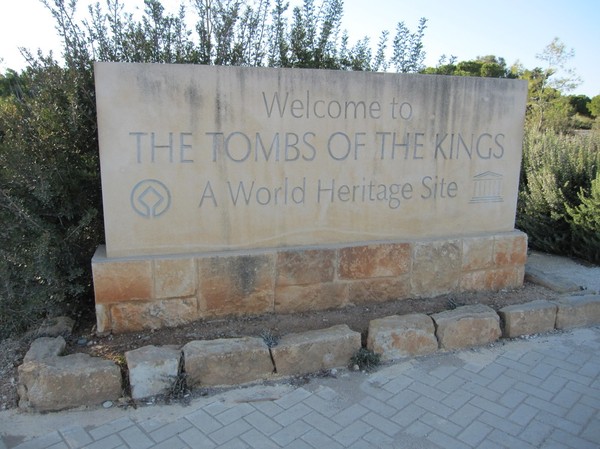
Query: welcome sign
[(205, 158)]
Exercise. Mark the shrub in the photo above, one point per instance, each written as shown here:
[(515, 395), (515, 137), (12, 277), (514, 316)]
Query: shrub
[(585, 223), (557, 173), (49, 195)]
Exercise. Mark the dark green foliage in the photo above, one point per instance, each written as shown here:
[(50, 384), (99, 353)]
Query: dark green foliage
[(594, 106), (49, 195), (579, 103), (585, 223), (556, 175), (484, 66)]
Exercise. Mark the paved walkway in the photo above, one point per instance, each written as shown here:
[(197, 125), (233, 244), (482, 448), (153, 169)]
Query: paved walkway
[(535, 392)]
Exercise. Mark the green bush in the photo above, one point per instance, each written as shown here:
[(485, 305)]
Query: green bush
[(585, 223), (556, 176), (49, 195)]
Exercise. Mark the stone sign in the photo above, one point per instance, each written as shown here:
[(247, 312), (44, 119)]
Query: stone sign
[(236, 190), (204, 158)]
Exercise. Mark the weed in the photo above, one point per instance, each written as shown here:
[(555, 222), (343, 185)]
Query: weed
[(270, 339), (365, 359)]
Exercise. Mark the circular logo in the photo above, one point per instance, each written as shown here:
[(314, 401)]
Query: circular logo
[(150, 198)]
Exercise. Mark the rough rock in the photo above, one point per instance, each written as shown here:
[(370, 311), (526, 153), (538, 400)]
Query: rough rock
[(578, 311), (467, 326), (530, 318), (226, 361), (54, 327), (58, 383), (45, 347), (152, 370), (312, 351), (402, 336)]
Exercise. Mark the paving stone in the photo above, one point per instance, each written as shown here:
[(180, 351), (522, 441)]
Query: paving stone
[(290, 433), (313, 351), (195, 438), (578, 311), (169, 430), (445, 441), (530, 318), (467, 326), (76, 437), (396, 336), (135, 438), (350, 414), (350, 434), (475, 433), (110, 428), (255, 439), (152, 370), (226, 361), (262, 422)]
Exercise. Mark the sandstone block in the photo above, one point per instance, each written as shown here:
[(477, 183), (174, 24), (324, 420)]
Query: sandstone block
[(436, 267), (174, 278), (312, 351), (237, 284), (530, 318), (505, 277), (578, 311), (374, 261), (477, 253), (103, 320), (467, 326), (305, 267), (45, 347), (58, 383), (378, 290), (301, 298), (226, 361), (152, 370), (122, 281), (138, 315), (53, 327), (510, 249), (395, 336), (475, 281)]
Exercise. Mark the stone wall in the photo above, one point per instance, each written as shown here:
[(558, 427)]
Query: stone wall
[(150, 292)]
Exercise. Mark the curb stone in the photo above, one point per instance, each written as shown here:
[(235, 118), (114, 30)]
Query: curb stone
[(578, 311), (247, 359)]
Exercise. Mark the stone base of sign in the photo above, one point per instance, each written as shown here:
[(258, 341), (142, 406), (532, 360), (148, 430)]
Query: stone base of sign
[(164, 291)]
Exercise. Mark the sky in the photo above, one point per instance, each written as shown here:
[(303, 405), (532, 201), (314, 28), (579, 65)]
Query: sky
[(516, 30)]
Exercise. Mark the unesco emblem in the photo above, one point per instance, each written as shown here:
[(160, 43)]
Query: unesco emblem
[(150, 198)]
